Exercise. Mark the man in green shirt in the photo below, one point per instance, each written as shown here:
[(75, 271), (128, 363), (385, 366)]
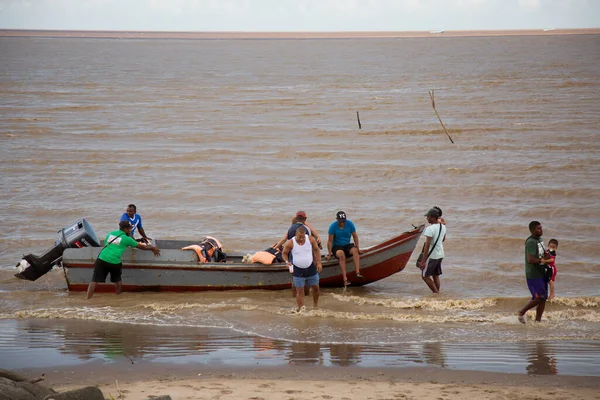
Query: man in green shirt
[(535, 265), (109, 259)]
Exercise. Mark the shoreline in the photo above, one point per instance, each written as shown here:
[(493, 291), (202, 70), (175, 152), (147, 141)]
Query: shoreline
[(125, 371), (103, 34)]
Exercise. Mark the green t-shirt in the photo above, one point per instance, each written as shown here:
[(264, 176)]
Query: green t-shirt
[(113, 251), (534, 247)]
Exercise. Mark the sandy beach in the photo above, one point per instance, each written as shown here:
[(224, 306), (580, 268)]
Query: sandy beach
[(299, 383), (287, 35), (256, 389)]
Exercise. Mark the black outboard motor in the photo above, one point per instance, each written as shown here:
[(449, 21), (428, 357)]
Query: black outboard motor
[(78, 235)]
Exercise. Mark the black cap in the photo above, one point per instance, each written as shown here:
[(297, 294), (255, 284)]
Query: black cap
[(433, 213), (125, 224), (340, 216)]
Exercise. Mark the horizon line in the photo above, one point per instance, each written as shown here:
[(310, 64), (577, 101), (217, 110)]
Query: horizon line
[(283, 35), (301, 31)]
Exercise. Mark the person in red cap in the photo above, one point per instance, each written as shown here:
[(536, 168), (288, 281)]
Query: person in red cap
[(298, 221)]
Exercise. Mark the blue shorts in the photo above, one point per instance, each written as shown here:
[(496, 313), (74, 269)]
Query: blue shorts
[(538, 288), (310, 281)]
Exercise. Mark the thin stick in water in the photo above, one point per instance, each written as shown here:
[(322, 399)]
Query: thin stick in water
[(431, 96), (358, 119)]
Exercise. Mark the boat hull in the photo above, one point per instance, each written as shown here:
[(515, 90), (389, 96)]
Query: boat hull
[(176, 270)]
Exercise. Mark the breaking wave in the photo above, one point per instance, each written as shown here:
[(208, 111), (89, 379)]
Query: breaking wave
[(461, 304), (458, 312), (425, 304)]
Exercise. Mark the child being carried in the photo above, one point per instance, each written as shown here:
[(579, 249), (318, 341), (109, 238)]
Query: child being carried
[(551, 253)]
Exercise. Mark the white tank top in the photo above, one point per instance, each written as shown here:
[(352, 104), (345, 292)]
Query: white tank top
[(302, 254)]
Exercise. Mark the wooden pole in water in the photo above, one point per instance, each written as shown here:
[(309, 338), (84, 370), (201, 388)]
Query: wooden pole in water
[(431, 96), (358, 119)]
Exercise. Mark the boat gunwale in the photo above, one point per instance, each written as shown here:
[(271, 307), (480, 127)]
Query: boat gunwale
[(255, 267)]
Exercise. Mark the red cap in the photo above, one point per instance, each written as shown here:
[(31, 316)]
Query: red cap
[(301, 214)]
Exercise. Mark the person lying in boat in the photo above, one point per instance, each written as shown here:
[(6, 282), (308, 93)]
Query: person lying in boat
[(208, 250), (109, 259), (135, 219), (298, 221), (267, 256)]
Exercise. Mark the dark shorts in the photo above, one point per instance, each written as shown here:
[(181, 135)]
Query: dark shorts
[(345, 248), (103, 268), (433, 268), (538, 288)]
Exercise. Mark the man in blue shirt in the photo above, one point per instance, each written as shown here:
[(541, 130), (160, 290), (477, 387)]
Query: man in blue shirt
[(135, 220), (339, 244)]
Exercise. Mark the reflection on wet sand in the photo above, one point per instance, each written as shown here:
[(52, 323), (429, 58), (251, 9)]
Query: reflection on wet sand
[(87, 341), (305, 353), (188, 345), (434, 354), (109, 341), (541, 360), (345, 354)]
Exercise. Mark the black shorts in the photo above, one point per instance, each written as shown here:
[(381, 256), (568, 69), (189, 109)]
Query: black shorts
[(345, 248), (433, 267), (103, 268)]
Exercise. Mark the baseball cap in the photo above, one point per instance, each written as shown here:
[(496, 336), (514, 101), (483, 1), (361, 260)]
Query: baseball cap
[(301, 214), (340, 216), (433, 213), (124, 224)]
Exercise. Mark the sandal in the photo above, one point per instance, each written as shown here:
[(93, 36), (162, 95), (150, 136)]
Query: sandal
[(347, 282), (359, 276)]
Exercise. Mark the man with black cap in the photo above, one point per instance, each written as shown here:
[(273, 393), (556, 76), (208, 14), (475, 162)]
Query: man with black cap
[(339, 244), (109, 259), (433, 251)]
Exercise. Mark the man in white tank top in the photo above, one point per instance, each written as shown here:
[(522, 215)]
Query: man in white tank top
[(305, 265)]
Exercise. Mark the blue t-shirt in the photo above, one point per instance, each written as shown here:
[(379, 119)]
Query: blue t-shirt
[(341, 237), (136, 221)]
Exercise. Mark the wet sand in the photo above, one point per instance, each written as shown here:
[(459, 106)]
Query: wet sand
[(286, 35), (141, 381), (138, 373)]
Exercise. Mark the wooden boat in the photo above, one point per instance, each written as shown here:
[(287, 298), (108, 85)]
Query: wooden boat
[(178, 270)]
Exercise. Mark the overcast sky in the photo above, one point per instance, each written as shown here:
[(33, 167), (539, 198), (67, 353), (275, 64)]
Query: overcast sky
[(298, 15)]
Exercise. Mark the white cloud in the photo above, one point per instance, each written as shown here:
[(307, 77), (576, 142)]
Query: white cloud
[(530, 4), (324, 15)]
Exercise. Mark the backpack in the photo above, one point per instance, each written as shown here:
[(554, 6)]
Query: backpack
[(211, 250), (277, 253)]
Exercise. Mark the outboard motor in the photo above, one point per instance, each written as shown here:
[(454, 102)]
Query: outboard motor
[(80, 234)]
